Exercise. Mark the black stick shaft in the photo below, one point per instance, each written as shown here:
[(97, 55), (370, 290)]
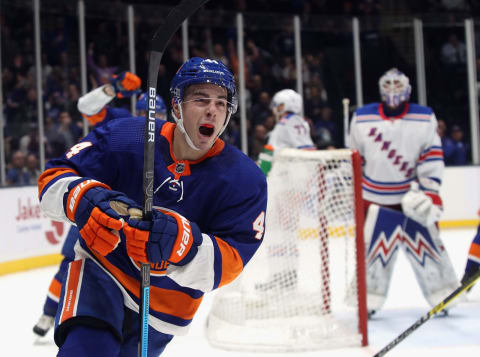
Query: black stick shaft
[(462, 288), (158, 44)]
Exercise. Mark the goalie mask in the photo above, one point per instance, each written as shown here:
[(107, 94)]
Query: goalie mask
[(291, 100), (394, 88), (198, 70)]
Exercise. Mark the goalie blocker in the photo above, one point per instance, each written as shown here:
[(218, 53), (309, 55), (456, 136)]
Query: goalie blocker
[(386, 232)]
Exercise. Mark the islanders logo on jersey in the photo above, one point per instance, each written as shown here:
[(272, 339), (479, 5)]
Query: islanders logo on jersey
[(174, 187)]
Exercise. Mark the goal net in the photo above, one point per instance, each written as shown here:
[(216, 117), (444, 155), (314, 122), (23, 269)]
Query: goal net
[(304, 289)]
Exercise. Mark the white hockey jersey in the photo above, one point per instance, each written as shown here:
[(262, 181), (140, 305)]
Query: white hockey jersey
[(291, 131), (397, 151)]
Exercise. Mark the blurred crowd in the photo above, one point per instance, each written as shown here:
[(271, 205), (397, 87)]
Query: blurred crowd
[(269, 67)]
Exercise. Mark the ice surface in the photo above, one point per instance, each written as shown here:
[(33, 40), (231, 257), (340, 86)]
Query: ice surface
[(23, 294)]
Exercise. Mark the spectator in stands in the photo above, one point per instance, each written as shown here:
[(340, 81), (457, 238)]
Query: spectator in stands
[(218, 53), (325, 129), (454, 51), (32, 168), (258, 141), (17, 174), (261, 109), (448, 146), (315, 100), (29, 142), (461, 148), (60, 136), (101, 70)]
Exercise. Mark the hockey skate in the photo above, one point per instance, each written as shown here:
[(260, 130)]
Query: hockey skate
[(44, 324)]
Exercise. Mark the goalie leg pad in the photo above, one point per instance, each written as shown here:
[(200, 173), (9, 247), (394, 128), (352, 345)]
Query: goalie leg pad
[(430, 262), (383, 236)]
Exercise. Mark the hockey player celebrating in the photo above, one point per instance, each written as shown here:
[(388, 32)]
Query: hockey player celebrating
[(93, 107), (402, 173), (208, 221)]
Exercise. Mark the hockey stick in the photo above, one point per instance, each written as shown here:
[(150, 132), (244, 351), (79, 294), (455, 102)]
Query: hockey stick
[(346, 120), (462, 288), (157, 47)]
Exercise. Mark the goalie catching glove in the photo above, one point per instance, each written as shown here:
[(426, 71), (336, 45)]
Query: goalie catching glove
[(126, 84), (168, 236), (94, 208), (420, 206)]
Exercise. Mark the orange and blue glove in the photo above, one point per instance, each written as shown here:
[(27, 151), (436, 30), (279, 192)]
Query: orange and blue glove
[(126, 84), (94, 207), (168, 236)]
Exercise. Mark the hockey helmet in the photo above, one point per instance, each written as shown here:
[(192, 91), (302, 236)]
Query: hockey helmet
[(394, 88), (291, 100), (159, 103), (199, 70)]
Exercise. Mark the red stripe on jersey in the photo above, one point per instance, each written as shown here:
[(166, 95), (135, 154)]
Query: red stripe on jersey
[(433, 153), (391, 187), (75, 272), (232, 264)]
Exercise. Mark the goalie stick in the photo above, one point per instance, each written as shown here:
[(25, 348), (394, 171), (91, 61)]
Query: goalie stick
[(157, 47), (456, 293)]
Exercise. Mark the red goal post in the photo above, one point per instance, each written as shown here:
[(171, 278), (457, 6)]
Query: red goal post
[(305, 287)]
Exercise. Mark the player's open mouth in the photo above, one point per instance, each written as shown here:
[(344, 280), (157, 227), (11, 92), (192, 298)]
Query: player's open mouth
[(206, 129)]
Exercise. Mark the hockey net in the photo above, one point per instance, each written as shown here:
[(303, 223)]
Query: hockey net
[(304, 289)]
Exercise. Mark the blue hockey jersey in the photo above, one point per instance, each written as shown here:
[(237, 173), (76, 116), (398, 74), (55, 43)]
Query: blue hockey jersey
[(224, 193)]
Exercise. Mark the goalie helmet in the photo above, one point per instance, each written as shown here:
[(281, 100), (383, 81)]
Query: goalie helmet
[(291, 100), (159, 104), (394, 88), (198, 70)]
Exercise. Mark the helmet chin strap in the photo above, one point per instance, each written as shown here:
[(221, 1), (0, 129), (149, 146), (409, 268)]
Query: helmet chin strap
[(184, 132), (182, 128)]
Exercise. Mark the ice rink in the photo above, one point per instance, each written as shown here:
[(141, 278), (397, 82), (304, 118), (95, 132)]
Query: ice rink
[(23, 294)]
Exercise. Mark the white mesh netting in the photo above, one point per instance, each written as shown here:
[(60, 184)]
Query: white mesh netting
[(292, 295)]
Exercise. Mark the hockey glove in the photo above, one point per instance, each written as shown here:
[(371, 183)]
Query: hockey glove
[(168, 236), (90, 205), (420, 207), (265, 159), (126, 84)]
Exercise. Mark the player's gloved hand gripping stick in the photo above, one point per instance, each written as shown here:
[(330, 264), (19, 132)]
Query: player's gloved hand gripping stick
[(168, 236), (90, 205)]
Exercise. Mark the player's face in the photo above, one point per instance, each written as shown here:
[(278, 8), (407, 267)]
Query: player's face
[(204, 112)]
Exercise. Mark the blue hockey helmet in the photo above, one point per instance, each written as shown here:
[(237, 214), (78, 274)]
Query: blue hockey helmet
[(394, 88), (142, 103), (198, 70)]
